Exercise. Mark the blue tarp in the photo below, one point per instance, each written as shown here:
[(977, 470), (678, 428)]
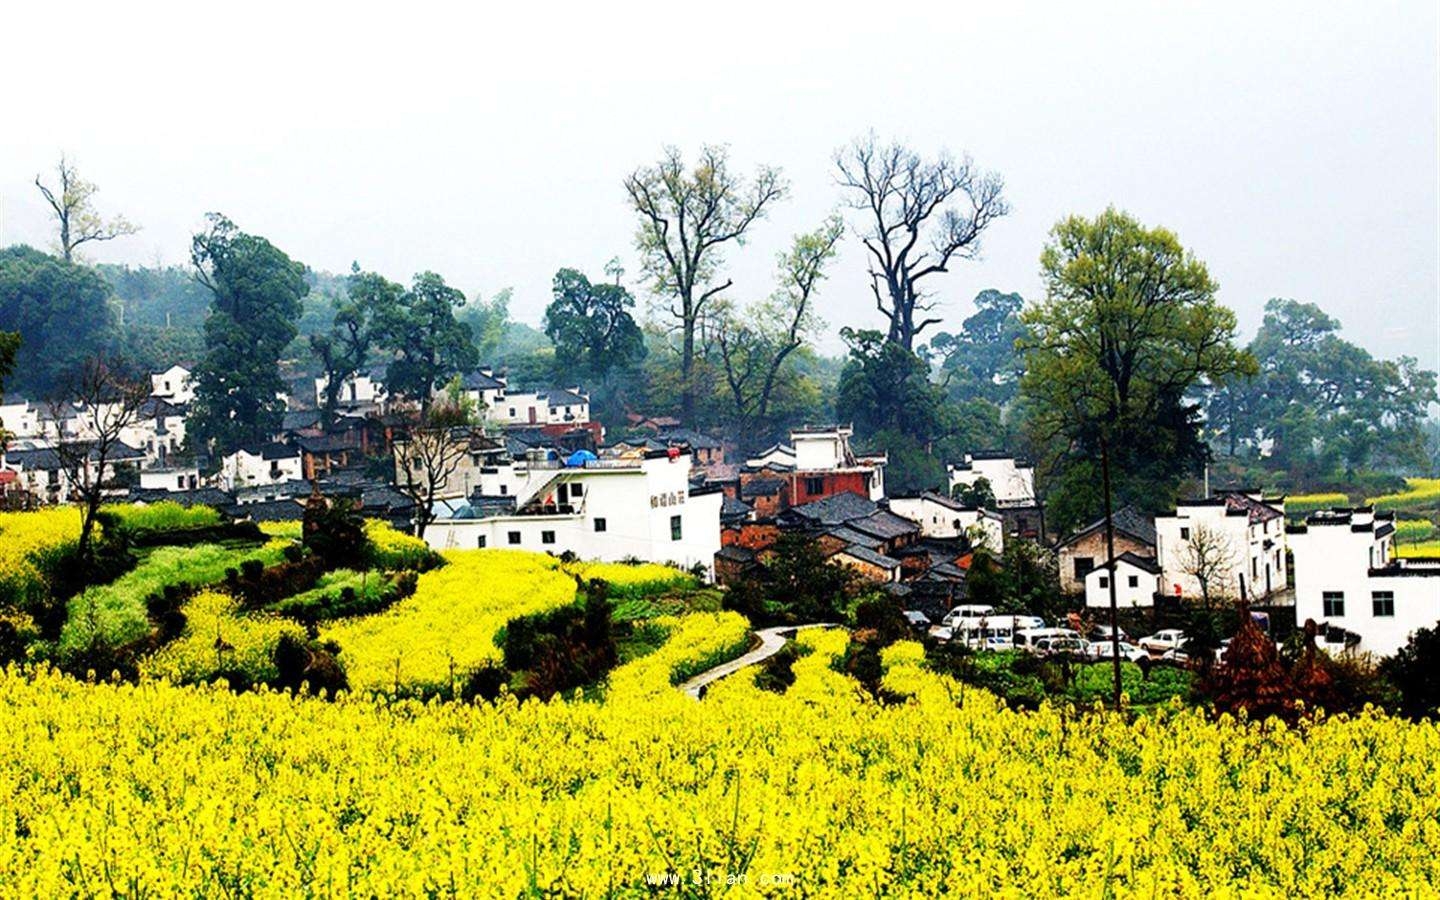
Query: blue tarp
[(579, 458)]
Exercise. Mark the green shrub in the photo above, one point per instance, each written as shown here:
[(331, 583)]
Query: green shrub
[(344, 593)]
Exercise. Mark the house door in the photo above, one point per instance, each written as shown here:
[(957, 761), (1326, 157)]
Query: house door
[(532, 415)]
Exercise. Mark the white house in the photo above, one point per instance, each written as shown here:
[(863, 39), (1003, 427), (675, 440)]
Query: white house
[(941, 517), (21, 419), (554, 407), (1137, 578), (170, 478), (609, 510), (158, 430), (267, 464), (486, 389), (42, 472), (1011, 480), (359, 389), (1348, 580), (174, 384), (1236, 538)]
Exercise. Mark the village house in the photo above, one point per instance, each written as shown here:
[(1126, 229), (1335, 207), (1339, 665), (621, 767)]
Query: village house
[(481, 465), (1085, 551), (483, 388), (170, 478), (21, 419), (40, 471), (605, 509), (1235, 538), (1012, 481), (1137, 580), (175, 384), (942, 517), (817, 463), (1349, 582), (360, 389), (270, 463)]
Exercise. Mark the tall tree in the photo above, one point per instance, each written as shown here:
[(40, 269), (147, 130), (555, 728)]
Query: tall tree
[(591, 325), (917, 217), (61, 313), (72, 201), (981, 360), (430, 451), (419, 328), (687, 218), (1129, 327), (344, 349), (97, 404), (755, 345), (256, 291), (489, 322)]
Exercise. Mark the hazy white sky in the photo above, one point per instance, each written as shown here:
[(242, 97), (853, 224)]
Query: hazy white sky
[(1293, 147)]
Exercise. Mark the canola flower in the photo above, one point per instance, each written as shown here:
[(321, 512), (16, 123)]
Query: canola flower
[(447, 627), (821, 791), (218, 638), (393, 549), (631, 581), (28, 540)]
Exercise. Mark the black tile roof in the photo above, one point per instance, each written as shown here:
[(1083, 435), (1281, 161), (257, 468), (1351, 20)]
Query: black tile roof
[(837, 509)]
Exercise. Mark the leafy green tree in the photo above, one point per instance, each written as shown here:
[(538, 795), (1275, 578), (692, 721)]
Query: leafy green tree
[(981, 360), (591, 325), (1129, 327), (60, 312), (257, 292), (1415, 671), (978, 494), (490, 325), (418, 326), (344, 349), (755, 344), (1321, 401), (687, 218)]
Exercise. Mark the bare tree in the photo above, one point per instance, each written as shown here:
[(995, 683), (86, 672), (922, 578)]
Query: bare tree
[(74, 208), (918, 217), (429, 453), (1209, 558), (686, 219), (754, 346), (100, 402)]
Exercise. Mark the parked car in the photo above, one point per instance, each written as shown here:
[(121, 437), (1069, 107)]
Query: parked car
[(1106, 650), (1102, 633), (1177, 656), (1164, 640), (1028, 638), (918, 621), (1050, 646), (967, 611)]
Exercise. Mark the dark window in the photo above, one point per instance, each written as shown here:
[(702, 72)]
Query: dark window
[(1383, 603), (1334, 603), (512, 537), (480, 542), (1084, 565), (547, 537), (814, 485), (675, 531), (1184, 534), (575, 490), (1134, 580), (599, 524), (504, 489), (1104, 581)]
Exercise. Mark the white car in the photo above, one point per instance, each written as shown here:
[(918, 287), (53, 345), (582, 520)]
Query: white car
[(1050, 646), (1164, 640), (1106, 650)]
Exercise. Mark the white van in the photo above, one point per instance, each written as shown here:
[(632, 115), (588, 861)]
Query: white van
[(976, 611), (1026, 638)]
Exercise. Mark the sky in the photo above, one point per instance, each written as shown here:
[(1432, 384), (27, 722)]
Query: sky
[(1291, 146)]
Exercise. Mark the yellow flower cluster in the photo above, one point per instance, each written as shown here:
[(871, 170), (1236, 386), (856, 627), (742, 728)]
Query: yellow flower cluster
[(25, 537), (218, 639), (693, 644), (392, 549), (820, 791), (448, 626), (633, 580)]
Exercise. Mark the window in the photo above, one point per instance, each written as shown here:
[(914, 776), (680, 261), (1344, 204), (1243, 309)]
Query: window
[(1184, 534), (675, 530), (547, 537), (1383, 603), (512, 412), (576, 490), (815, 485), (1084, 565), (504, 489), (600, 524), (1104, 581), (480, 542), (1134, 581), (1334, 603), (512, 537)]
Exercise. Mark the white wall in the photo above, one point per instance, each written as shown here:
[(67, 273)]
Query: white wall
[(20, 420), (179, 479), (1141, 593), (174, 384), (938, 520), (243, 469), (1334, 557), (1012, 484), (1245, 553)]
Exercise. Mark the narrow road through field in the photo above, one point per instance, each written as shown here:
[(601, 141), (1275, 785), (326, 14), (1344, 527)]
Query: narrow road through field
[(771, 640)]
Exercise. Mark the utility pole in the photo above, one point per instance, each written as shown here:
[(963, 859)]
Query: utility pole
[(1110, 553)]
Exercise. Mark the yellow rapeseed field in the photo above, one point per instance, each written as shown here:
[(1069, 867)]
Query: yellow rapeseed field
[(155, 790), (448, 626)]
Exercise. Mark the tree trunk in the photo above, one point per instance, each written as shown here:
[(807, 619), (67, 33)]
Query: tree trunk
[(687, 372), (1110, 554)]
